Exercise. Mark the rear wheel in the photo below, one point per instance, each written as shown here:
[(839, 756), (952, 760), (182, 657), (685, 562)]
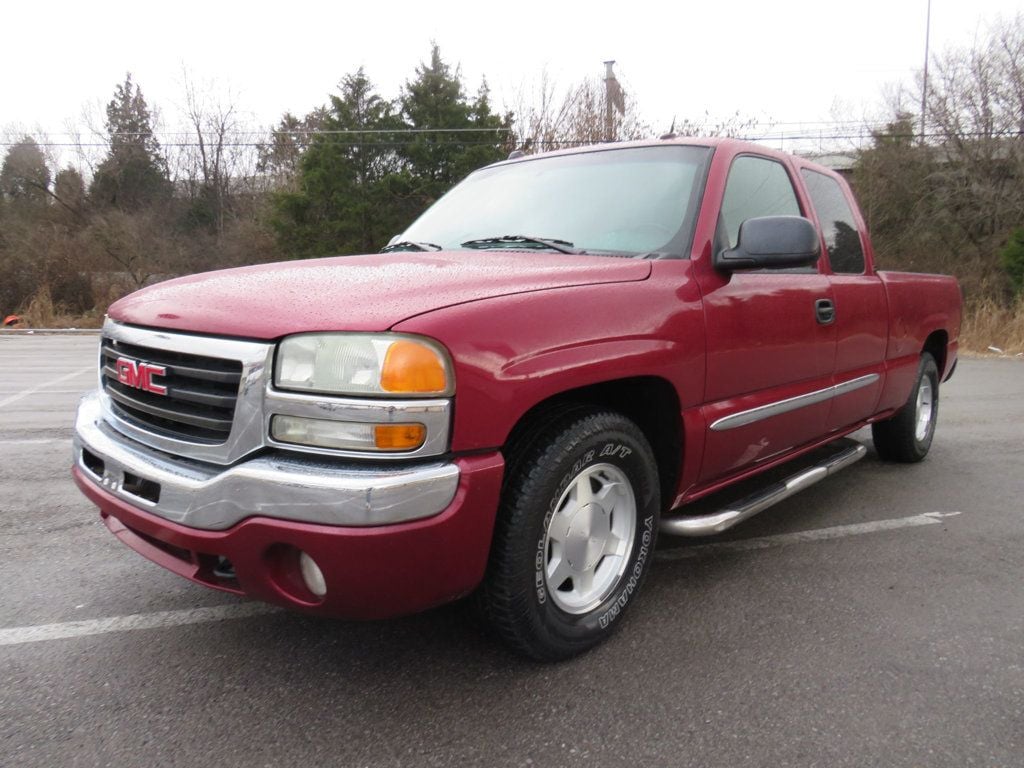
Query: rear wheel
[(907, 435), (575, 535)]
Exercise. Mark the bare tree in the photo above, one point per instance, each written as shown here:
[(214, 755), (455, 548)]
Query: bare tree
[(949, 202), (87, 138), (734, 125), (551, 117), (279, 157), (975, 115), (215, 161)]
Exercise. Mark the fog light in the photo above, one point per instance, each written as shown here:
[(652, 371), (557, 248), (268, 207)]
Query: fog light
[(312, 575)]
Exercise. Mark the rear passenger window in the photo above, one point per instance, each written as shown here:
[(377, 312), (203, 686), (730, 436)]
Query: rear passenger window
[(756, 187), (845, 253)]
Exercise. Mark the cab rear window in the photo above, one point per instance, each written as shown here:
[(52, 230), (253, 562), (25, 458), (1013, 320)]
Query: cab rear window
[(845, 251)]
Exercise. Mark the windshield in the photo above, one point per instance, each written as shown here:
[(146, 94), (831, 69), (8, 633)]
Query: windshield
[(632, 201)]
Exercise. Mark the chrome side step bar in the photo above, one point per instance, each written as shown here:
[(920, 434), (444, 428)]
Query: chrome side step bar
[(723, 520)]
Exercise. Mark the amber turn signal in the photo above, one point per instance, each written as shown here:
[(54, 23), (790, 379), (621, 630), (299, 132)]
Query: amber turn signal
[(399, 437), (413, 368)]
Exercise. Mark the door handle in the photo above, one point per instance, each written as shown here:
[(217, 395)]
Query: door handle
[(825, 311)]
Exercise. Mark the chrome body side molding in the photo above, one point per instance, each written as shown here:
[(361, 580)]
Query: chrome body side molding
[(742, 418)]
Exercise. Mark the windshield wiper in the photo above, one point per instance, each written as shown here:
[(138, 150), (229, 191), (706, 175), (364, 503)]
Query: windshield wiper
[(562, 246), (411, 245)]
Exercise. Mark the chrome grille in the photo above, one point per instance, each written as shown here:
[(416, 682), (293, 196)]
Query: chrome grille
[(199, 404)]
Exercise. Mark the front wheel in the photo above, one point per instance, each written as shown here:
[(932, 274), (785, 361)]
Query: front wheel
[(575, 536), (907, 435)]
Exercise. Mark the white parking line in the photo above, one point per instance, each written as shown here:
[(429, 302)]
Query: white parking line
[(85, 628), (33, 390), (36, 441), (41, 632), (800, 537), (75, 391)]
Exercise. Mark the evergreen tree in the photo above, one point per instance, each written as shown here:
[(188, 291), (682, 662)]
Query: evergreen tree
[(373, 166), (343, 204), (69, 210), (69, 188), (435, 103), (490, 145), (1013, 260), (24, 176), (133, 175)]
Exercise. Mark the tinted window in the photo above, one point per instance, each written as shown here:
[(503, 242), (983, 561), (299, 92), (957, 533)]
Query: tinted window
[(756, 187), (617, 201), (842, 239)]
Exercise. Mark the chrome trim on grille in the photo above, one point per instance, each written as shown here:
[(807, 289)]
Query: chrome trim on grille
[(743, 418), (205, 422), (246, 433), (287, 487), (258, 401)]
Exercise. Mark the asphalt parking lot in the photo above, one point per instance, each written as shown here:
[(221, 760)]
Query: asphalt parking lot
[(876, 619)]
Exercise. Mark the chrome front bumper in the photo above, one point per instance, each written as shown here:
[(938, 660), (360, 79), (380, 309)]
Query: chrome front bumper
[(286, 487)]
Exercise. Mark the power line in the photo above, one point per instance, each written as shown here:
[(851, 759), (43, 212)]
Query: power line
[(253, 144), (158, 134), (866, 133), (296, 132), (179, 137), (320, 131)]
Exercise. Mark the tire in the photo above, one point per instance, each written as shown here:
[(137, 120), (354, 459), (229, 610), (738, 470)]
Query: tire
[(907, 435), (565, 565)]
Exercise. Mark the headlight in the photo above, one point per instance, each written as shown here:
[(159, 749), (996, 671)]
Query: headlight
[(363, 364)]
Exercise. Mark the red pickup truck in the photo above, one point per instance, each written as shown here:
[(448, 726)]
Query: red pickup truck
[(517, 394)]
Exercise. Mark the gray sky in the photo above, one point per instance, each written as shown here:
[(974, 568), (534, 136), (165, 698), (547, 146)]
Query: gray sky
[(788, 61)]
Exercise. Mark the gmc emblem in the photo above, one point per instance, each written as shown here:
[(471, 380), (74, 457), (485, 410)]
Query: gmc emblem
[(139, 375)]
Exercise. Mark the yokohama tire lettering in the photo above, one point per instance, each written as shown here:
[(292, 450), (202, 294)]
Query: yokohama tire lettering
[(634, 578)]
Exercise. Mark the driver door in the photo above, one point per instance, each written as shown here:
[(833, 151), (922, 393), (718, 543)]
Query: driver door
[(769, 354)]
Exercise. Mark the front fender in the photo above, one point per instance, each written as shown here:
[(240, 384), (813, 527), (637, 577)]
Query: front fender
[(513, 352)]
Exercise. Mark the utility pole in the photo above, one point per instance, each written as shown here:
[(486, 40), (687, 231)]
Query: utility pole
[(611, 91), (924, 85)]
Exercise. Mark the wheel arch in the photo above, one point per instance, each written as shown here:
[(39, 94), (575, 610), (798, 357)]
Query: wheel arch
[(651, 402), (937, 345)]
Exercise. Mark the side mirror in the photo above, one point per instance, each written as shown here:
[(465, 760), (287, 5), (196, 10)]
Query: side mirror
[(772, 242)]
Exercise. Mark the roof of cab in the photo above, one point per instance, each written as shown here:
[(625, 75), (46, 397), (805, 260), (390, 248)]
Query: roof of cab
[(712, 142)]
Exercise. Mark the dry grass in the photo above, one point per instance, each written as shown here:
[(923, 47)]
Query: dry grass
[(989, 324), (41, 312)]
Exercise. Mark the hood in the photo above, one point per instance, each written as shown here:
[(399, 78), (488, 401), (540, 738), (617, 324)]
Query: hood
[(356, 293)]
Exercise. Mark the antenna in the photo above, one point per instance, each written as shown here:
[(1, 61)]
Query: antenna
[(671, 131)]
